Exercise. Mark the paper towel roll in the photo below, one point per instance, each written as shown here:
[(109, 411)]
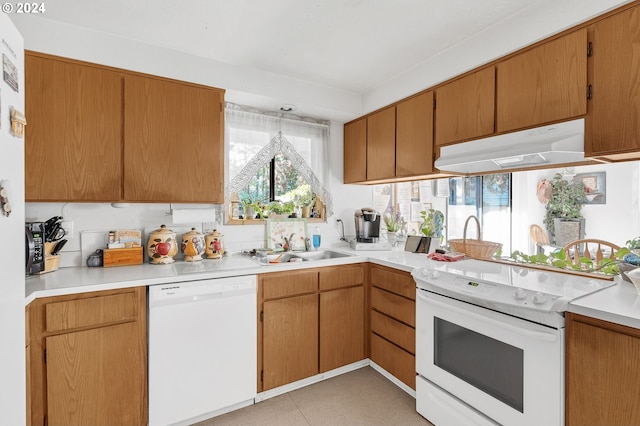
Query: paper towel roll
[(182, 216)]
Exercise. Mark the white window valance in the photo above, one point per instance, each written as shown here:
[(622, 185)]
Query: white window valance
[(253, 138)]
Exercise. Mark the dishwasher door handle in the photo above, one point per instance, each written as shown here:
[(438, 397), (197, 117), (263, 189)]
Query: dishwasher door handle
[(196, 298)]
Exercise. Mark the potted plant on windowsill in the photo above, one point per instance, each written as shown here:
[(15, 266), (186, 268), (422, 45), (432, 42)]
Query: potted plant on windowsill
[(304, 198), (252, 209), (280, 210), (563, 204)]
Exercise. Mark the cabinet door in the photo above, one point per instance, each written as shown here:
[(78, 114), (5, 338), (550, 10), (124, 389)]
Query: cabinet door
[(545, 84), (603, 367), (414, 136), (341, 327), (289, 340), (465, 107), (355, 151), (74, 140), (614, 119), (381, 144), (81, 365), (173, 145)]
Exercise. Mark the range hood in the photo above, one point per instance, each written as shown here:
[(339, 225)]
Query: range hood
[(549, 145)]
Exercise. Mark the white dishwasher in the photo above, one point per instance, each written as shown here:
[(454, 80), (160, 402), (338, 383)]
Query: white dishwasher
[(202, 348)]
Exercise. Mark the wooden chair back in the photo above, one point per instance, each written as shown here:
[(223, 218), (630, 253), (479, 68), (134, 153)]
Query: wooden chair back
[(596, 250), (538, 235)]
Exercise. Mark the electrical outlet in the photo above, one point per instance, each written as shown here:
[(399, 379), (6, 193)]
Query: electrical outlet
[(68, 229), (208, 227)]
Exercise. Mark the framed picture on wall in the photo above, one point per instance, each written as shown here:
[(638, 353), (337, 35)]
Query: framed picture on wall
[(595, 186)]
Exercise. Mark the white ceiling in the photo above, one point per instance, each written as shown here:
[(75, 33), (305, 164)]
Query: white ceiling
[(357, 46)]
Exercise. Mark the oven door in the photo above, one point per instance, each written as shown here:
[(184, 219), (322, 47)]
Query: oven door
[(506, 368)]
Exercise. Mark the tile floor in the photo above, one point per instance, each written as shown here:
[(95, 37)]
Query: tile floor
[(360, 397)]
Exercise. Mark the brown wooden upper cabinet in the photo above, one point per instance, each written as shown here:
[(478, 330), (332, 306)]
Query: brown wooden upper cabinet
[(355, 151), (381, 144), (545, 84), (613, 119), (414, 136), (173, 143), (465, 107), (73, 149), (394, 142), (103, 134)]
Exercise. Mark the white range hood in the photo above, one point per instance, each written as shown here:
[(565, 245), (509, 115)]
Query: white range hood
[(555, 144)]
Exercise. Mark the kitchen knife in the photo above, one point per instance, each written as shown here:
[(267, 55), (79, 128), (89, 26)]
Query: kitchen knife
[(58, 247)]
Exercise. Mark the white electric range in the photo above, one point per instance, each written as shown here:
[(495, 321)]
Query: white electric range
[(490, 341)]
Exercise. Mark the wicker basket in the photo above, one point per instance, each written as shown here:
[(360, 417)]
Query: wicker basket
[(477, 249)]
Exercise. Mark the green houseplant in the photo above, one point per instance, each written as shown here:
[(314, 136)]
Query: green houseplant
[(563, 202), (280, 209), (252, 208), (432, 223), (303, 198)]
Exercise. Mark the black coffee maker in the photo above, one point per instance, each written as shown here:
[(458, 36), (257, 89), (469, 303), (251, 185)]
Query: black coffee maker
[(367, 225)]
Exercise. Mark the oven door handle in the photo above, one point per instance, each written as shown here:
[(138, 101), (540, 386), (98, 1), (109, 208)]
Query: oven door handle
[(547, 337)]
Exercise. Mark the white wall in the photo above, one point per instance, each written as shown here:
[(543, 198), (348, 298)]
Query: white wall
[(12, 261)]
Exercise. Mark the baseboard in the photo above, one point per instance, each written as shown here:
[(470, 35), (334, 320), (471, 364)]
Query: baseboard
[(310, 380), (215, 413), (393, 379)]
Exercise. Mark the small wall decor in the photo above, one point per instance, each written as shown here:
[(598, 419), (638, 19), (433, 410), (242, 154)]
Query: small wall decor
[(18, 122), (9, 72), (595, 186), (286, 233), (5, 207)]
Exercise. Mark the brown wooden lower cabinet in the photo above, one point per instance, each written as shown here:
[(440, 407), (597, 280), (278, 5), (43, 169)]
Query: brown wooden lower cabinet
[(310, 321), (395, 360), (602, 372), (87, 359), (393, 312), (290, 340)]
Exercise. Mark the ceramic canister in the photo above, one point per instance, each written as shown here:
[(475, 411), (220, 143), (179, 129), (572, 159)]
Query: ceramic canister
[(192, 245), (162, 246), (215, 246)]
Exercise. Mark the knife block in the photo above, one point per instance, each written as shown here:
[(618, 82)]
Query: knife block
[(51, 263)]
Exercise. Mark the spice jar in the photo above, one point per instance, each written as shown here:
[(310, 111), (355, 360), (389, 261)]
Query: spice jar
[(215, 245), (162, 246), (192, 245)]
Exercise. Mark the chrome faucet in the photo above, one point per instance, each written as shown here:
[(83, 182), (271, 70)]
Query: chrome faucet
[(342, 238)]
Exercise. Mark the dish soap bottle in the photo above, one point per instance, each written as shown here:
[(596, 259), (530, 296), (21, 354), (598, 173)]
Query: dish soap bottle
[(316, 238)]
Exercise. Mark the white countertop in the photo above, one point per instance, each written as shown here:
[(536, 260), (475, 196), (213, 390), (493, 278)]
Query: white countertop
[(619, 304), (84, 279)]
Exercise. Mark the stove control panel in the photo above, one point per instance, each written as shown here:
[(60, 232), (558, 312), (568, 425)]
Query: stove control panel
[(471, 289)]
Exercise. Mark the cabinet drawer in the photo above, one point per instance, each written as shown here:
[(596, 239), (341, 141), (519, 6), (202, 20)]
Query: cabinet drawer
[(90, 311), (394, 306), (341, 276), (288, 284), (401, 283), (395, 331), (396, 361)]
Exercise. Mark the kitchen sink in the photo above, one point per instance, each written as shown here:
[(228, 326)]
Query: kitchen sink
[(321, 255), (299, 256)]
